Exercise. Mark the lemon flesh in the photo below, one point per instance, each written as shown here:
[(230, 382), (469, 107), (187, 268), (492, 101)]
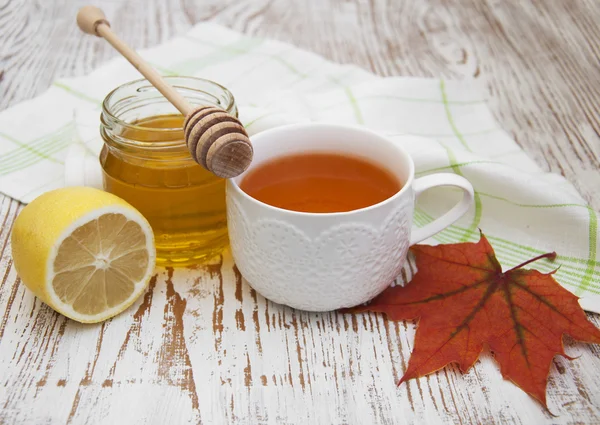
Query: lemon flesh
[(84, 252)]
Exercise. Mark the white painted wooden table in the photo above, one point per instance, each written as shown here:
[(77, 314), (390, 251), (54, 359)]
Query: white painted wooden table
[(201, 346)]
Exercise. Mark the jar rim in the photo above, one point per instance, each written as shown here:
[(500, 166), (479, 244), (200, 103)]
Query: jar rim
[(107, 110)]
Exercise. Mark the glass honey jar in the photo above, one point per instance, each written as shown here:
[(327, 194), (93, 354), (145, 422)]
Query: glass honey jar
[(145, 161)]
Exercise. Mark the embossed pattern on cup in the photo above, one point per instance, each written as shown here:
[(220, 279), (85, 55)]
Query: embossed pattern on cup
[(344, 265)]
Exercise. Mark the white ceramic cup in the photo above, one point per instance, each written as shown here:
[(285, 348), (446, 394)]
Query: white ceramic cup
[(326, 261)]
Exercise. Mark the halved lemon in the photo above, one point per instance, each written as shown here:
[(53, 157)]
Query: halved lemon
[(86, 253)]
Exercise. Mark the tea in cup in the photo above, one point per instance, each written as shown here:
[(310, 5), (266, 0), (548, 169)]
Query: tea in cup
[(322, 218)]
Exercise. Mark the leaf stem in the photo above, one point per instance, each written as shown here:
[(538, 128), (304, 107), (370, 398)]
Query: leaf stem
[(549, 255)]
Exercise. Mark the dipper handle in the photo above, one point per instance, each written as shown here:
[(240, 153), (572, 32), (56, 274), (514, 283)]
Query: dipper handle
[(92, 20), (215, 139)]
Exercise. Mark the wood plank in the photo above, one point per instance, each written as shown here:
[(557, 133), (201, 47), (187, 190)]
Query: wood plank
[(184, 343)]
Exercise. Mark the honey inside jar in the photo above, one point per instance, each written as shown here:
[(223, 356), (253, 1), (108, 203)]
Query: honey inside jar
[(184, 203), (146, 162)]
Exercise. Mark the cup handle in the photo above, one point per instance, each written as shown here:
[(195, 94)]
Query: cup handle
[(442, 179)]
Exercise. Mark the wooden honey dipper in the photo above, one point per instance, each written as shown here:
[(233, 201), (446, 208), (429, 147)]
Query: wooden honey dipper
[(216, 140)]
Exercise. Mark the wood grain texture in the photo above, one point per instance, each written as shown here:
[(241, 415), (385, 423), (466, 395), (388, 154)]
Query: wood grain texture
[(201, 346)]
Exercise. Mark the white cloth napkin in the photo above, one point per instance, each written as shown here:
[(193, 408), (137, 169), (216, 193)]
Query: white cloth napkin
[(446, 126)]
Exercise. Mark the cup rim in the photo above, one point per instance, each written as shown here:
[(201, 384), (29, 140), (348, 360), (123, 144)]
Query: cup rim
[(233, 184)]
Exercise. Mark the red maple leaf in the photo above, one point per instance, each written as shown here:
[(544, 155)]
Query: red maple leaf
[(464, 301)]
